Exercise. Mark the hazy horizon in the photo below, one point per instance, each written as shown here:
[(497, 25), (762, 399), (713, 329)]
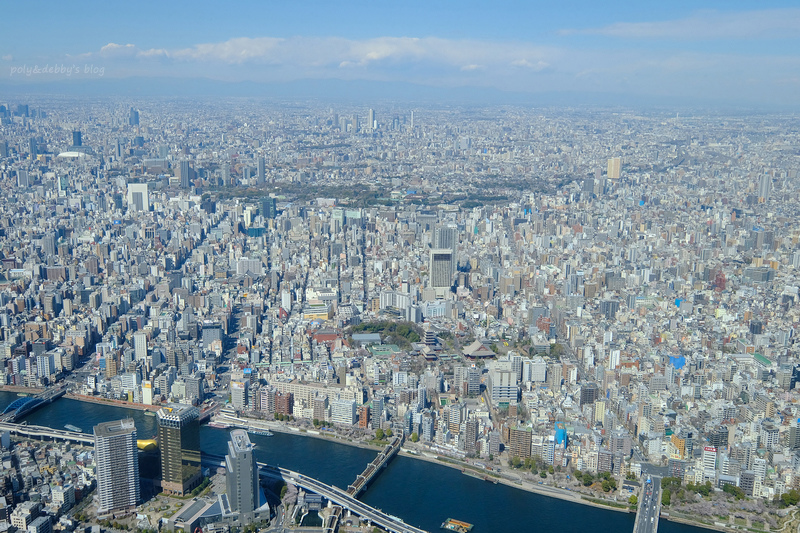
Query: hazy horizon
[(727, 54)]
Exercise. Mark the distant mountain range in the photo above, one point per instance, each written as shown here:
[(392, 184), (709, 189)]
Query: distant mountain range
[(357, 91)]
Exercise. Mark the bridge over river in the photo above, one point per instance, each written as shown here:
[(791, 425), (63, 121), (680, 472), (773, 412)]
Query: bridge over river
[(342, 500), (27, 404)]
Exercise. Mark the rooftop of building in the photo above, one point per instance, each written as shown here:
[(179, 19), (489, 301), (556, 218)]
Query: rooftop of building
[(115, 428)]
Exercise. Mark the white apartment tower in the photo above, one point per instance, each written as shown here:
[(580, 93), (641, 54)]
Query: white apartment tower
[(117, 466)]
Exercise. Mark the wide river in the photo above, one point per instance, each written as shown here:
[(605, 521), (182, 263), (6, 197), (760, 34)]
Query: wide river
[(421, 493)]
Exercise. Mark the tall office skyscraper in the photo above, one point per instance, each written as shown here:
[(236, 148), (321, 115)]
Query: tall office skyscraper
[(269, 207), (440, 270), (225, 173), (133, 118), (33, 148), (179, 442), (117, 466), (614, 165), (445, 237), (185, 171), (49, 242), (241, 476), (764, 187), (76, 138), (138, 198), (261, 171), (371, 120), (23, 181)]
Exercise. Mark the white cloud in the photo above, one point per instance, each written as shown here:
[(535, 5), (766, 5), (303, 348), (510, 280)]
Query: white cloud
[(509, 66), (349, 53), (708, 25), (524, 63), (118, 50), (153, 52), (235, 51)]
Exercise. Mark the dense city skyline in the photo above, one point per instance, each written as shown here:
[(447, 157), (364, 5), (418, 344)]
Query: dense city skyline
[(582, 297), (247, 249)]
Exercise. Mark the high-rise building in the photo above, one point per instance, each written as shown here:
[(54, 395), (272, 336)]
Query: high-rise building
[(519, 442), (456, 415), (764, 187), (23, 182), (76, 139), (363, 416), (445, 237), (709, 461), (45, 365), (440, 270), (614, 165), (502, 386), (225, 174), (609, 308), (372, 124), (3, 148), (179, 442), (62, 185), (185, 174), (195, 390), (470, 435), (140, 345), (284, 403), (590, 392), (261, 171), (138, 198), (241, 476), (377, 412), (620, 442), (49, 242), (239, 394), (344, 412), (473, 381), (133, 118), (117, 465), (269, 208), (605, 460)]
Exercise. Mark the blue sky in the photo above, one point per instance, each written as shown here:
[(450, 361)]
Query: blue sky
[(744, 52)]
